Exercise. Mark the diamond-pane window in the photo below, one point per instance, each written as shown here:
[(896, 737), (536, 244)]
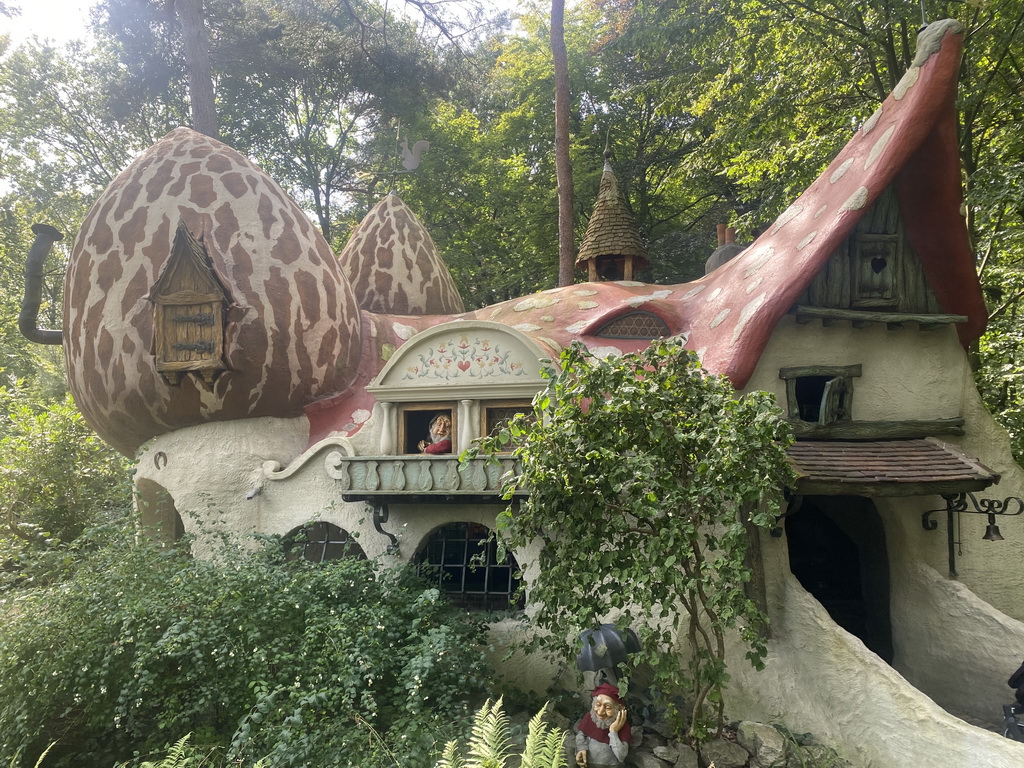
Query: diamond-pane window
[(635, 325), (465, 564), (497, 416)]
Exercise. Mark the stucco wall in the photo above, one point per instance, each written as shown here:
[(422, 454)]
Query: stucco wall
[(905, 373), (820, 679), (912, 374)]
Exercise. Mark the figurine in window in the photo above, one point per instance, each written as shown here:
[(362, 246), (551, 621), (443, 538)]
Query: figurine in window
[(603, 735), (440, 435)]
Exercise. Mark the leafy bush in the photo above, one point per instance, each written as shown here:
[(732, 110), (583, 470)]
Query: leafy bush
[(648, 477), (56, 479), (302, 664)]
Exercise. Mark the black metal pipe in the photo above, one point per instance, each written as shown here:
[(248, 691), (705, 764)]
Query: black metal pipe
[(28, 319)]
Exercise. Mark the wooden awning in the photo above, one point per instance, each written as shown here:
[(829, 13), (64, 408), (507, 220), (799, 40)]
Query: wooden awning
[(920, 467)]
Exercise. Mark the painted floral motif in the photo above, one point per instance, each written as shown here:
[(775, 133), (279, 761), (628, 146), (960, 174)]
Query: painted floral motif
[(475, 358)]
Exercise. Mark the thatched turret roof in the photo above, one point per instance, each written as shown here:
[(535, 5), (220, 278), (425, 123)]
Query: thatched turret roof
[(612, 231)]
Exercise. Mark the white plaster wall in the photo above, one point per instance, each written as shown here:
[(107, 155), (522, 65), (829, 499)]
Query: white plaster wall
[(820, 679), (210, 469), (911, 374), (905, 373), (992, 569)]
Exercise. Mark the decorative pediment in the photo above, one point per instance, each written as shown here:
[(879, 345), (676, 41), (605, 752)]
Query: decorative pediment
[(477, 359)]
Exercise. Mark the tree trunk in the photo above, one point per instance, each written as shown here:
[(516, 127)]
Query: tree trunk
[(197, 59), (563, 166)]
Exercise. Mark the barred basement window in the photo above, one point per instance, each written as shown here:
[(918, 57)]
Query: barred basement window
[(635, 325), (321, 541), (465, 564)]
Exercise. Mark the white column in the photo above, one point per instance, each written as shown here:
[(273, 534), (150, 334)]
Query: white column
[(388, 429)]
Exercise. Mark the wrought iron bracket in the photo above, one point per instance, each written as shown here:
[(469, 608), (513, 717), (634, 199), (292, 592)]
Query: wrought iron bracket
[(381, 513), (968, 503)]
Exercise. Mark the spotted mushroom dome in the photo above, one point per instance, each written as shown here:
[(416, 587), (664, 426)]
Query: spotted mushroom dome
[(198, 291)]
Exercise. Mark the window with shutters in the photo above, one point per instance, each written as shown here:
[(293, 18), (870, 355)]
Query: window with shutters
[(820, 394)]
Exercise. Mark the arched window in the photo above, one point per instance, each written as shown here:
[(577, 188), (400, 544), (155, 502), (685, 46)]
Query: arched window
[(634, 325), (465, 563), (321, 541)]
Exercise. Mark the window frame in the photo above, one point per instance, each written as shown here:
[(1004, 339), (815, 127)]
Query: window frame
[(836, 403), (523, 406), (404, 409)]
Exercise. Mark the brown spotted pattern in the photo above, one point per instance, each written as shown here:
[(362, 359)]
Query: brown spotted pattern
[(394, 267), (292, 335)]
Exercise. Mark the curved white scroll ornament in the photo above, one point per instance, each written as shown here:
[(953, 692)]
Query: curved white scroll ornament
[(272, 470)]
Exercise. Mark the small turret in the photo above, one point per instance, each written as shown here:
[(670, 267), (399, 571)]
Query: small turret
[(612, 248)]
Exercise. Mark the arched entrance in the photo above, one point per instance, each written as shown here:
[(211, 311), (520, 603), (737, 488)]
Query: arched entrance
[(837, 552), (158, 515)]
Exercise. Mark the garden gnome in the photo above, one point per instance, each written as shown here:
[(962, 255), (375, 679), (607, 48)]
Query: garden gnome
[(603, 735)]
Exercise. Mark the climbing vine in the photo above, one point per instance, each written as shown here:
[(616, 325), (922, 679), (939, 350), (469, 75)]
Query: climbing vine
[(648, 479)]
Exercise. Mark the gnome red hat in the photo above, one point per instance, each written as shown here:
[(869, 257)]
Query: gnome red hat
[(609, 690)]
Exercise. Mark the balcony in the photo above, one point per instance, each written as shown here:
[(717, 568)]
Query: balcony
[(414, 478)]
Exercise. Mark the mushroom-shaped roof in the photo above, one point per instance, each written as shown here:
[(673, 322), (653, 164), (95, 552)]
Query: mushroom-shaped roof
[(393, 265), (612, 230), (292, 335), (909, 142)]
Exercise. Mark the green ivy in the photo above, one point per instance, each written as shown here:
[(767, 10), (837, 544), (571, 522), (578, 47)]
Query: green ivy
[(647, 478)]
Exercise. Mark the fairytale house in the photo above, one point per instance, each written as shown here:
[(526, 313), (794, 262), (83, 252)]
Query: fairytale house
[(304, 404)]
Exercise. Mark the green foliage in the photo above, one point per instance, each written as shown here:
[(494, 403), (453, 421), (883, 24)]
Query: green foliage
[(647, 478), (490, 744), (341, 664), (1000, 354), (56, 479)]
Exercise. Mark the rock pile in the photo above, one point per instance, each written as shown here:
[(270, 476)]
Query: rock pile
[(743, 745)]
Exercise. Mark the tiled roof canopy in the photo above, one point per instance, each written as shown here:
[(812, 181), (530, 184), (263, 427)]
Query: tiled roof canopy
[(887, 468)]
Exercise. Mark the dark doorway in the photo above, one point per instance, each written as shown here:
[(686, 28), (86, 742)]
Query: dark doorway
[(837, 552)]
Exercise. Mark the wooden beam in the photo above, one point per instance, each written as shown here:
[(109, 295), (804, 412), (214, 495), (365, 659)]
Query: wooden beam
[(832, 371), (834, 488), (827, 314), (877, 430)]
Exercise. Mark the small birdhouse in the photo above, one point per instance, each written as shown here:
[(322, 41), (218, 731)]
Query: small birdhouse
[(189, 304)]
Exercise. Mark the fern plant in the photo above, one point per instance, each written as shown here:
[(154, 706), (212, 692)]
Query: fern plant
[(490, 743), (183, 754)]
